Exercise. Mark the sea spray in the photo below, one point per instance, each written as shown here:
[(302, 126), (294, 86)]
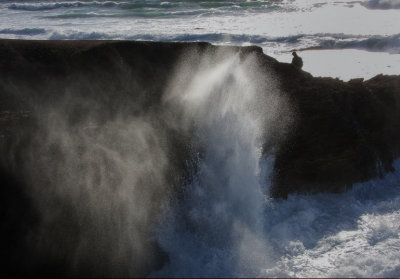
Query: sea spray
[(216, 228), (104, 180), (99, 186)]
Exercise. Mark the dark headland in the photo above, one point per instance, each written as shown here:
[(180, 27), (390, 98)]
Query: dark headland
[(342, 132)]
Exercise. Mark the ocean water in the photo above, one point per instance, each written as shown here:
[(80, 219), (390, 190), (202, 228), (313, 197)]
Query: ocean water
[(278, 26), (225, 224)]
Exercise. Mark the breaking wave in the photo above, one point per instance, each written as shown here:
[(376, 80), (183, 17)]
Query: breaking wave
[(390, 44), (43, 6), (134, 5), (382, 4), (25, 31), (81, 36)]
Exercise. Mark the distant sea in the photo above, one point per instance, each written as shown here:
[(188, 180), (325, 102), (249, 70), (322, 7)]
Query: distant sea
[(367, 31)]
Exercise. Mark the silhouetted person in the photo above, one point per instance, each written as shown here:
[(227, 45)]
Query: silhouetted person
[(297, 61)]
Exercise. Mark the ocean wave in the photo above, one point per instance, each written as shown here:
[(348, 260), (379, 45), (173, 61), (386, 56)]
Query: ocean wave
[(43, 6), (77, 15), (81, 36), (137, 5), (142, 9), (25, 31), (130, 14), (382, 4), (217, 38), (143, 4), (390, 44)]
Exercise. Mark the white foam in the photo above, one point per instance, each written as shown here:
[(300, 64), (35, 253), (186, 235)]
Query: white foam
[(43, 6), (355, 234)]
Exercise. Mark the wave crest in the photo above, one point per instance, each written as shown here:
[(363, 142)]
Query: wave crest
[(24, 31), (382, 4), (43, 6), (390, 44)]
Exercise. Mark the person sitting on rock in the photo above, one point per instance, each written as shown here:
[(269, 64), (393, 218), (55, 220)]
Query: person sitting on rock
[(297, 61)]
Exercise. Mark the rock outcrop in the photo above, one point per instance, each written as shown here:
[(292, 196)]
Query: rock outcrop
[(344, 132)]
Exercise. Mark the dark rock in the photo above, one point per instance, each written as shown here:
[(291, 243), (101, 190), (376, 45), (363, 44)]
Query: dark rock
[(345, 132)]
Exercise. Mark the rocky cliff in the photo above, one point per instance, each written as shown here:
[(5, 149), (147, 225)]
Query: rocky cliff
[(344, 132)]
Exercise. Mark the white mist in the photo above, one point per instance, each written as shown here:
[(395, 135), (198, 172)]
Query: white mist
[(216, 229)]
